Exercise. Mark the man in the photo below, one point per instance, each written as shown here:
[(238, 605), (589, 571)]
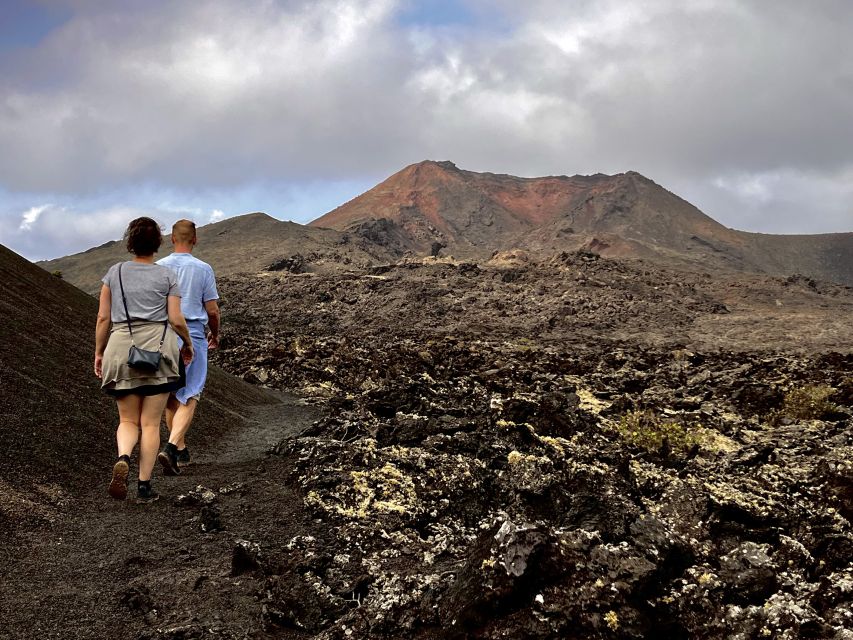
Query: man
[(200, 307)]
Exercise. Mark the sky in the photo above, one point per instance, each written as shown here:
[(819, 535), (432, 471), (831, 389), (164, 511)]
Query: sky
[(206, 110)]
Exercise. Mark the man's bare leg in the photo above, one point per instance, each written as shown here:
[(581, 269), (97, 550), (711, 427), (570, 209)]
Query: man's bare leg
[(182, 417), (171, 406)]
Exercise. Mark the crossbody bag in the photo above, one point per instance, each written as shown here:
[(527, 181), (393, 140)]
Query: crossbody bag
[(137, 358)]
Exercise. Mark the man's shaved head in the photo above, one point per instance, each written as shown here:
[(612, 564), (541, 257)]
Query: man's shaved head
[(183, 232)]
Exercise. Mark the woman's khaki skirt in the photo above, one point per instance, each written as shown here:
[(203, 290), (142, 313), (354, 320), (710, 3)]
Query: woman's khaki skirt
[(118, 379)]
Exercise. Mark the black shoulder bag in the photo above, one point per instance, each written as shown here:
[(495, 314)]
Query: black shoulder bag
[(140, 358)]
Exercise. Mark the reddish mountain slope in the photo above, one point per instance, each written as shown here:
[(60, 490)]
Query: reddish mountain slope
[(433, 205), (438, 202), (473, 214)]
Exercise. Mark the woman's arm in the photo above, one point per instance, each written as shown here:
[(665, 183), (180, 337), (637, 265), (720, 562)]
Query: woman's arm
[(102, 327), (179, 324)]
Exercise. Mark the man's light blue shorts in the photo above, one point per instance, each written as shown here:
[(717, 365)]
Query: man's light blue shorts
[(197, 371)]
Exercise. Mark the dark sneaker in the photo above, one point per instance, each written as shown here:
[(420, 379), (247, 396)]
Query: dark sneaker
[(184, 457), (145, 494), (168, 458), (118, 484)]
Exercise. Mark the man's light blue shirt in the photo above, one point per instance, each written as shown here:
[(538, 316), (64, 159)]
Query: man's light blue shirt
[(197, 284)]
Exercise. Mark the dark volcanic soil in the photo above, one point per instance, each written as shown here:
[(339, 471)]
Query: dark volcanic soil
[(106, 569), (579, 449)]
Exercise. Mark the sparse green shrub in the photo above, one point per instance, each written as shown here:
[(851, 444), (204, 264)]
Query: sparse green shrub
[(810, 402), (647, 430), (57, 273)]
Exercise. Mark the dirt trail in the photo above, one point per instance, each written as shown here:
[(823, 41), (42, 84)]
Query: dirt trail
[(106, 569)]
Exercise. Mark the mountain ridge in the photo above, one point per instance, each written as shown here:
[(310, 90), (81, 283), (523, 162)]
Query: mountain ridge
[(432, 207)]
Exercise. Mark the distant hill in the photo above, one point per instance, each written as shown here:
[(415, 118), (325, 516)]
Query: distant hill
[(433, 204), (250, 242), (57, 426)]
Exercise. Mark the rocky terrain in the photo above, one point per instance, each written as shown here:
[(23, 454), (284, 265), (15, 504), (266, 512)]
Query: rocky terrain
[(580, 449)]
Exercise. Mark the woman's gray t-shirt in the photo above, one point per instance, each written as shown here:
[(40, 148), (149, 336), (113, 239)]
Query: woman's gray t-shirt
[(146, 288)]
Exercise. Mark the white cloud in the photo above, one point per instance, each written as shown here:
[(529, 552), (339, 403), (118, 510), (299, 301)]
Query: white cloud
[(58, 230), (31, 215), (166, 95), (216, 215), (786, 197)]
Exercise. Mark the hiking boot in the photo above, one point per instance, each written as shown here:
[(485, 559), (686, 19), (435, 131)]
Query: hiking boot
[(118, 484), (168, 458), (145, 494), (184, 457)]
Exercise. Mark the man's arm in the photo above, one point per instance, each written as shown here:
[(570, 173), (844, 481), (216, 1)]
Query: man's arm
[(212, 308)]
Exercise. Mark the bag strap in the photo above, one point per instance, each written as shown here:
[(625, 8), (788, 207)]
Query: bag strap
[(124, 302), (127, 315), (163, 337)]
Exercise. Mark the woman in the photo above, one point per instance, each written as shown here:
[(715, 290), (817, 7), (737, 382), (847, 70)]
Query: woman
[(139, 301)]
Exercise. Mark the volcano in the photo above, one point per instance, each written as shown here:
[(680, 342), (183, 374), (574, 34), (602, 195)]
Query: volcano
[(431, 206)]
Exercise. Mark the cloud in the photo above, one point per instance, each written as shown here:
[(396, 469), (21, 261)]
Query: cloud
[(31, 215), (49, 230), (785, 199), (706, 97), (201, 94), (216, 215)]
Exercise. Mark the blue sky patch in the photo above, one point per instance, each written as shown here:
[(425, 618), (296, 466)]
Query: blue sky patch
[(436, 13), (25, 24)]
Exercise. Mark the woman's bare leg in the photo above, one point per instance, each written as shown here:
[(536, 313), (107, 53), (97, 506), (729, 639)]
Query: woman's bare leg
[(127, 434), (152, 412)]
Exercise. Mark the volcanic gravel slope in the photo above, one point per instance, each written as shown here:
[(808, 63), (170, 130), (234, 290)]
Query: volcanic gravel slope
[(57, 425), (68, 553)]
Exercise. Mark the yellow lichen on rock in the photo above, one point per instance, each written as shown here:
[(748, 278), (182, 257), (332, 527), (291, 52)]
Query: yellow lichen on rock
[(557, 444), (385, 490), (612, 620), (588, 400), (373, 492)]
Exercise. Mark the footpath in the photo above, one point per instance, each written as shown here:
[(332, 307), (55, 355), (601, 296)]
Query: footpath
[(107, 569)]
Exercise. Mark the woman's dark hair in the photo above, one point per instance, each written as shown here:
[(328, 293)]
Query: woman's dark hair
[(143, 237)]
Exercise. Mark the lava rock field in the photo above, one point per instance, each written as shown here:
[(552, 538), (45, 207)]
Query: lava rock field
[(586, 448)]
